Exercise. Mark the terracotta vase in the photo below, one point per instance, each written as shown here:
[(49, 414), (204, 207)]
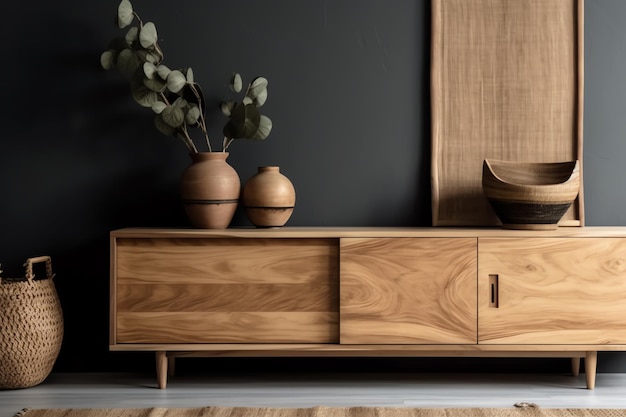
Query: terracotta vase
[(268, 198), (210, 190)]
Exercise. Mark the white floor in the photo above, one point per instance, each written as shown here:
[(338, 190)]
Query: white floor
[(105, 390)]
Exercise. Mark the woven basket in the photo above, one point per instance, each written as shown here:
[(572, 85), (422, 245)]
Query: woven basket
[(31, 323)]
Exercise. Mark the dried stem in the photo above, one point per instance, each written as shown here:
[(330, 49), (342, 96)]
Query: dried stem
[(184, 135), (202, 121), (226, 143)]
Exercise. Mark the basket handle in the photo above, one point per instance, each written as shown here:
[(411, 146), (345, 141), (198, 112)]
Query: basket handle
[(31, 261)]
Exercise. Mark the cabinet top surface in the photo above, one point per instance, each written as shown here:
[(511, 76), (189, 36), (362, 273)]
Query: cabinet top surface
[(365, 232)]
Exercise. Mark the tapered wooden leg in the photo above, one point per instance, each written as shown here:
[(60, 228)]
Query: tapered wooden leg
[(171, 366), (161, 369), (575, 366), (591, 364)]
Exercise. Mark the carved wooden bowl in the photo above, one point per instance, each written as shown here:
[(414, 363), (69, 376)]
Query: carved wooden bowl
[(530, 195)]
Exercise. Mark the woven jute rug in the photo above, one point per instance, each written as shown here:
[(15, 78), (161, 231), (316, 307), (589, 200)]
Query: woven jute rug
[(326, 412)]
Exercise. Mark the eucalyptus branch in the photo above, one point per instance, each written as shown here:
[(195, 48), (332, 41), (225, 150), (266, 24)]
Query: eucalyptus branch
[(226, 143), (187, 139), (155, 86), (138, 18), (163, 98), (204, 130), (202, 120)]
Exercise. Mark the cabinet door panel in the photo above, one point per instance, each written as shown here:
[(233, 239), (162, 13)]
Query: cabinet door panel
[(221, 290), (552, 290), (408, 290)]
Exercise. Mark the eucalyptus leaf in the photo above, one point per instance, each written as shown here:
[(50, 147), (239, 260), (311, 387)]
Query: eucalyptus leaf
[(148, 35), (144, 96), (176, 81), (181, 103), (158, 107), (162, 126), (106, 59), (143, 55), (127, 62), (235, 126), (229, 130), (244, 121), (258, 91), (227, 108), (163, 71), (124, 14), (132, 35), (236, 84), (192, 115), (149, 69), (173, 116), (155, 84), (152, 58), (259, 82), (265, 127), (189, 75), (252, 120), (260, 97)]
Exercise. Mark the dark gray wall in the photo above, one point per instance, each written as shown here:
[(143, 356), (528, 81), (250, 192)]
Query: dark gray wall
[(349, 98)]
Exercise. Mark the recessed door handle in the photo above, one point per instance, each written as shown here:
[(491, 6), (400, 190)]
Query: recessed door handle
[(494, 293)]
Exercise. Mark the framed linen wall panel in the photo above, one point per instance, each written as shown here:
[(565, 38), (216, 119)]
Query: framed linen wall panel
[(506, 83)]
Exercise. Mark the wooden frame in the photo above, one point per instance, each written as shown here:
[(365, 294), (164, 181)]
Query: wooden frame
[(506, 83)]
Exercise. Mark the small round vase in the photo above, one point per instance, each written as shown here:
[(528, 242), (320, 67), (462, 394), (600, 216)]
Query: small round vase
[(268, 198), (210, 190)]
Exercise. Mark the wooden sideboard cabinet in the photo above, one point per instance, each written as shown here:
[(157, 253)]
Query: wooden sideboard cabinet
[(322, 291)]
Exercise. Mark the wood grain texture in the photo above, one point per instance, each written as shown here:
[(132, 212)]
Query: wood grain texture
[(556, 182), (408, 290), (227, 327), (320, 296), (225, 260), (335, 233), (553, 291), (506, 83), (217, 290), (370, 350)]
